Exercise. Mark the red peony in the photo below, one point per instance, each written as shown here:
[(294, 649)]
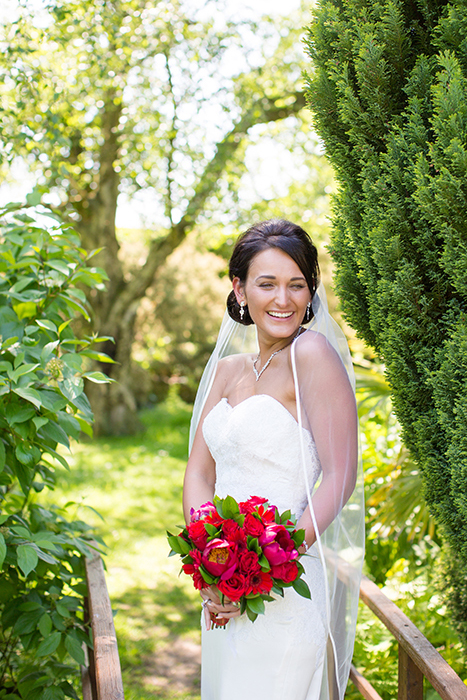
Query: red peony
[(198, 534), (234, 587), (253, 526), (278, 546), (286, 572), (219, 558)]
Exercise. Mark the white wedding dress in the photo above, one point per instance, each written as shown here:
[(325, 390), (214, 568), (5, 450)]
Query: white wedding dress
[(280, 656)]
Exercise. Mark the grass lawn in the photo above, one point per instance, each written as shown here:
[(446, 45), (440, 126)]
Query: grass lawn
[(136, 484)]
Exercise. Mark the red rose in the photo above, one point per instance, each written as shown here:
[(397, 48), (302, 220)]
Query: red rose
[(234, 587), (260, 582), (248, 563), (252, 503), (286, 572), (233, 532), (198, 534), (220, 558), (253, 526)]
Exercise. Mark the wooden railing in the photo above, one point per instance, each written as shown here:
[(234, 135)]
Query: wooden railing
[(417, 657), (101, 677)]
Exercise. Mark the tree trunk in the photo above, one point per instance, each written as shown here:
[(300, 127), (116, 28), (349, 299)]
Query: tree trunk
[(114, 310)]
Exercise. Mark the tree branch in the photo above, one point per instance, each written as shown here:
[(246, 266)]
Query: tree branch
[(263, 111)]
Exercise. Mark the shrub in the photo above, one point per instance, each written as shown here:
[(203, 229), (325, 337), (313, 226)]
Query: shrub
[(389, 95), (42, 406)]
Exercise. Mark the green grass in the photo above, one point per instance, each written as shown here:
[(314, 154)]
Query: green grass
[(135, 483)]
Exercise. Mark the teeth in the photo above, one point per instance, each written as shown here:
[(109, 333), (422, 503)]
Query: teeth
[(279, 315)]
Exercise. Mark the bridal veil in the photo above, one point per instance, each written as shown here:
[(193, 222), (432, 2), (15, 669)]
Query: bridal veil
[(341, 543)]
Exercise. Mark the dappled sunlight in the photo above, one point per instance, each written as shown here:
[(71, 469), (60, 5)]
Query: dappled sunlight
[(135, 484)]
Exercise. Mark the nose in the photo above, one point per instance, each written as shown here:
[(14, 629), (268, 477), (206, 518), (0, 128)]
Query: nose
[(282, 296)]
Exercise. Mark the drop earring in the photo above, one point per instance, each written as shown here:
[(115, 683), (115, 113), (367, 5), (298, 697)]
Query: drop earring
[(242, 310), (308, 311)]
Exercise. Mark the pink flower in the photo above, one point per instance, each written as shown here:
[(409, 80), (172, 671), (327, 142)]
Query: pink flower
[(203, 511), (219, 558), (278, 546)]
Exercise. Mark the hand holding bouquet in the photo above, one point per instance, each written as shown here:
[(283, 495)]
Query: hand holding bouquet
[(247, 550)]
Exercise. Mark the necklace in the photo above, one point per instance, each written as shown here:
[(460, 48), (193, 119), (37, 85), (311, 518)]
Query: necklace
[(267, 363)]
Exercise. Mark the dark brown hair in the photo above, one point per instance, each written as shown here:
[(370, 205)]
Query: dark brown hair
[(274, 233)]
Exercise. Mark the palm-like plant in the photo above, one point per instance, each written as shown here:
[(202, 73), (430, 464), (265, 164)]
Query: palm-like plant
[(394, 486)]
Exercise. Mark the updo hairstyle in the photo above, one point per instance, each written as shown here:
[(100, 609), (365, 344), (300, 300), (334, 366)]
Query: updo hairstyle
[(274, 233)]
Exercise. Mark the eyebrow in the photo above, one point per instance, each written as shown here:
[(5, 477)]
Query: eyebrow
[(273, 277)]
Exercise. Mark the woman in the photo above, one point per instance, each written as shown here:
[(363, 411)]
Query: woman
[(281, 423)]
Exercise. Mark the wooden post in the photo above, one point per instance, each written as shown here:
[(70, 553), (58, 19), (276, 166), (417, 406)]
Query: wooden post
[(410, 678), (108, 674)]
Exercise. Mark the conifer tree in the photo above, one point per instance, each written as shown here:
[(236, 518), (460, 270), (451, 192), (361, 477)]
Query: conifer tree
[(388, 88)]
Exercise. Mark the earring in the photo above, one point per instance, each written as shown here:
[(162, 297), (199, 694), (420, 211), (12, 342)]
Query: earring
[(308, 311), (242, 310)]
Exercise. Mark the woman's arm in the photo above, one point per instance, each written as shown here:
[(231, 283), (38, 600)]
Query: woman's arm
[(329, 411)]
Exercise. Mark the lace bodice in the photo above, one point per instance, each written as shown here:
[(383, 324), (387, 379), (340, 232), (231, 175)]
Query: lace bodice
[(256, 449)]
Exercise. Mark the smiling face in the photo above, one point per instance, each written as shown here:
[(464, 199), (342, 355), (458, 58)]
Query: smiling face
[(276, 292)]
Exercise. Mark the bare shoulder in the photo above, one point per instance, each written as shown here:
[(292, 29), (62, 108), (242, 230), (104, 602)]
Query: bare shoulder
[(234, 362), (231, 366), (313, 350)]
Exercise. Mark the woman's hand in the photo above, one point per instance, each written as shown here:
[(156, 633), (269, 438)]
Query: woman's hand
[(214, 611)]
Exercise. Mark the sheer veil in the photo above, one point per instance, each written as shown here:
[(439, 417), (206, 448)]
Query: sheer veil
[(341, 545)]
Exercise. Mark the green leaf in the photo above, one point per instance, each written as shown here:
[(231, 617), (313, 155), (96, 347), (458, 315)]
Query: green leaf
[(25, 309), (230, 507), (301, 587), (46, 323), (27, 558), (49, 644), (59, 265), (23, 369), (178, 544), (98, 356), (45, 625), (19, 415), (53, 692), (251, 615), (47, 350), (2, 550), (211, 529), (30, 395), (98, 377), (74, 648), (256, 605), (27, 454)]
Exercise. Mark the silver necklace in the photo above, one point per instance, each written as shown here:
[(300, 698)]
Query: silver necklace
[(266, 365)]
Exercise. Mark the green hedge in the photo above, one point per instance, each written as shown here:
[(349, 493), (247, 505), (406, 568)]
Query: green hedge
[(42, 406), (388, 88)]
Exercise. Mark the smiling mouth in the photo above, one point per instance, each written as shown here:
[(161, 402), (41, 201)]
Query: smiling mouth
[(277, 314)]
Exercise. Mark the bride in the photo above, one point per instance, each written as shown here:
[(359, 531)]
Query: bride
[(281, 423)]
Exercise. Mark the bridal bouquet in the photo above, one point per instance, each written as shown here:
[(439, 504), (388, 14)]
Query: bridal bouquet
[(247, 550)]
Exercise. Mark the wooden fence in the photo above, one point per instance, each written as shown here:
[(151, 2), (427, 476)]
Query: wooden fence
[(102, 677)]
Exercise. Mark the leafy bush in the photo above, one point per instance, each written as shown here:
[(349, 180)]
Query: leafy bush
[(42, 406)]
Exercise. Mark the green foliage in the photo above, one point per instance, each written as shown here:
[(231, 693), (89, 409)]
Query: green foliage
[(42, 406), (388, 92)]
